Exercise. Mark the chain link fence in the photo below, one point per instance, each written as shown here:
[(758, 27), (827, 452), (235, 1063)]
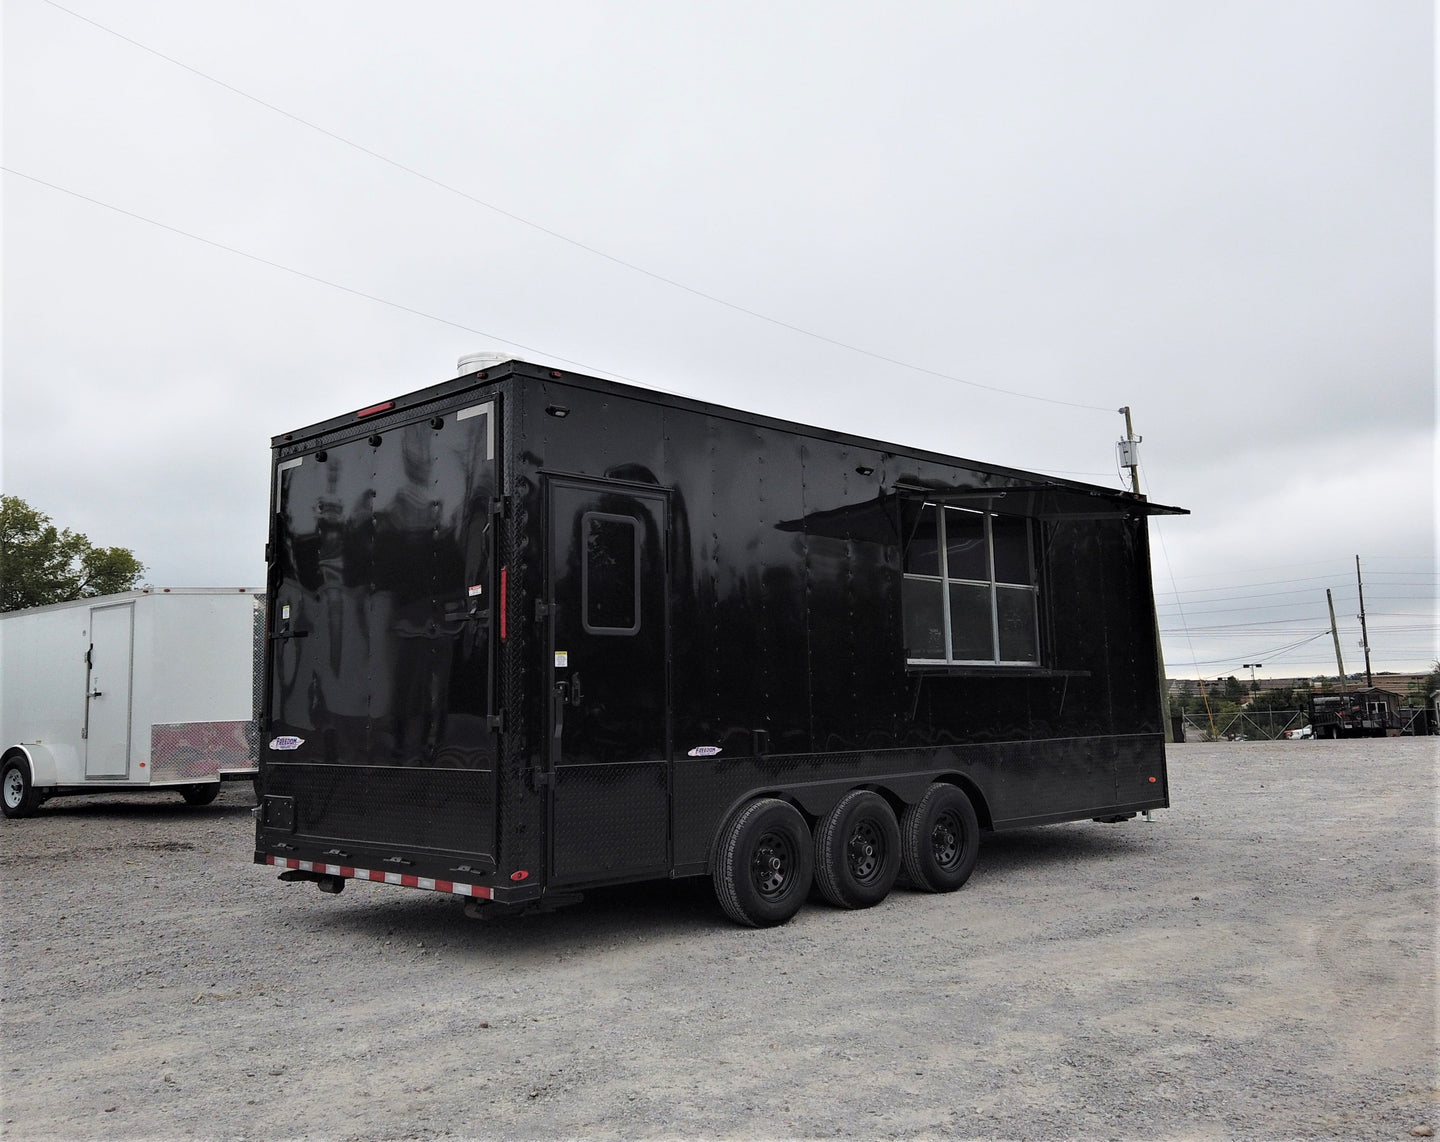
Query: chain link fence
[(1239, 726)]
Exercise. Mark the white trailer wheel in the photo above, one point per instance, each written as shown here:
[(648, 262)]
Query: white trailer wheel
[(17, 794)]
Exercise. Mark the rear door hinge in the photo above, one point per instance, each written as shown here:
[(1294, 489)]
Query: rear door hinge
[(500, 507), (542, 610), (496, 722)]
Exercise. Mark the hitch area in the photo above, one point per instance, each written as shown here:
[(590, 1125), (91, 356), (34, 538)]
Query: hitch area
[(478, 909), (334, 885)]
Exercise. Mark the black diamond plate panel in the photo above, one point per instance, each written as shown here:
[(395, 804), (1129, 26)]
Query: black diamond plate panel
[(616, 816), (441, 809)]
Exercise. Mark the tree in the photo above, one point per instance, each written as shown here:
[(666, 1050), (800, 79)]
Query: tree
[(41, 564), (1279, 698), (1422, 688)]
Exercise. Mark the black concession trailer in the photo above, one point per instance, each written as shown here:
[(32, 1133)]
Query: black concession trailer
[(533, 632)]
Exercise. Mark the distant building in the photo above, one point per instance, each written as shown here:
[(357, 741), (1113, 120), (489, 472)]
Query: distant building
[(1368, 712)]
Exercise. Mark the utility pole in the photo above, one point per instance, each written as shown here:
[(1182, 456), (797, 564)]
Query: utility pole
[(1130, 458), (1335, 634), (1130, 451), (1364, 633)]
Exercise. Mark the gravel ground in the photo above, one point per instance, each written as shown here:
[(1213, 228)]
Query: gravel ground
[(1258, 962)]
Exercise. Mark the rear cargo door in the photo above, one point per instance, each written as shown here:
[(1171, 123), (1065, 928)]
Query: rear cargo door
[(608, 670), (107, 696), (383, 582)]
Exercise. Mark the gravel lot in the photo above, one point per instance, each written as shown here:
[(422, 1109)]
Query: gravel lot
[(1258, 962)]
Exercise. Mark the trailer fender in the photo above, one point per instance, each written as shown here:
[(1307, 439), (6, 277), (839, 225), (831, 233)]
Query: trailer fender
[(44, 771), (977, 798), (900, 790)]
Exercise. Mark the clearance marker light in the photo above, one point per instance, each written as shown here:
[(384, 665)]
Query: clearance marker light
[(521, 875), (374, 408)]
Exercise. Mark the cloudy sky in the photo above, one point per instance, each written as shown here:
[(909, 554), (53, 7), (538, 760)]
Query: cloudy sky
[(973, 226)]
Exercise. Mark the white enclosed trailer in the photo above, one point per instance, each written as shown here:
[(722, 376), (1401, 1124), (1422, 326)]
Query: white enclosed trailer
[(149, 689)]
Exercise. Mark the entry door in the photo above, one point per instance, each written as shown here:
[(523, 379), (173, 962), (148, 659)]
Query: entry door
[(107, 695), (609, 681)]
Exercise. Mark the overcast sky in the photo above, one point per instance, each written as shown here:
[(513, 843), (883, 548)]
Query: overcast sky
[(874, 216)]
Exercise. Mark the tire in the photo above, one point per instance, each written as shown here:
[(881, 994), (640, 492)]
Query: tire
[(857, 850), (18, 795), (200, 794), (764, 863), (940, 839)]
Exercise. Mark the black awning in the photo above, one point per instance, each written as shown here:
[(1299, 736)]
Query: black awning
[(1049, 501), (885, 519), (873, 521)]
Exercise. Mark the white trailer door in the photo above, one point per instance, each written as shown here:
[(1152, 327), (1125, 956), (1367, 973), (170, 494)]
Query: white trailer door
[(107, 697)]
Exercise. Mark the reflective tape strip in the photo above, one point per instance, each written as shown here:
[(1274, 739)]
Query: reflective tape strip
[(404, 879)]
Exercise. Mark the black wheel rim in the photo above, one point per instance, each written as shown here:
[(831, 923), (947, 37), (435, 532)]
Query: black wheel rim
[(945, 839), (773, 865), (865, 852)]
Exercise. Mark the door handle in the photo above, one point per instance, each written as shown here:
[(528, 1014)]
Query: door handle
[(95, 693), (575, 692)]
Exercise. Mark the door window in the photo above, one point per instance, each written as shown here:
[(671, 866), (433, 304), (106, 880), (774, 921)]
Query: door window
[(610, 578)]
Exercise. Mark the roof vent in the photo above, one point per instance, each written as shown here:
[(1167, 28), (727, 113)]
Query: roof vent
[(478, 362)]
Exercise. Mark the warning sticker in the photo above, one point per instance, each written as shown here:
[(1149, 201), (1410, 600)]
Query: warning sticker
[(476, 590), (562, 658)]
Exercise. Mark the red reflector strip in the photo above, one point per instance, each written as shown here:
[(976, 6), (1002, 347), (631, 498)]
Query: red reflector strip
[(374, 408), (404, 879), (504, 598)]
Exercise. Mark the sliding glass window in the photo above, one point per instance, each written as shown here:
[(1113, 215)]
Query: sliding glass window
[(970, 595)]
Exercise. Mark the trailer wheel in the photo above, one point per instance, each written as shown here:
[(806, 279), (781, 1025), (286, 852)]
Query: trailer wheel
[(763, 864), (201, 794), (940, 839), (18, 795), (857, 850)]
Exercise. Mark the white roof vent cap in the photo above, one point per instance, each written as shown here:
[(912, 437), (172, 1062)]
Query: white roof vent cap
[(479, 362)]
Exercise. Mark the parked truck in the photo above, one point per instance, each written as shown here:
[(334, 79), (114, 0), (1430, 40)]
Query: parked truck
[(533, 632), (153, 689)]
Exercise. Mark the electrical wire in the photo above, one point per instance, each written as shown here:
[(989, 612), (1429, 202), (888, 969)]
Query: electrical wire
[(316, 278), (558, 236)]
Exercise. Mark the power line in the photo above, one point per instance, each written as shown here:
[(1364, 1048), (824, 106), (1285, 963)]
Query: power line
[(1384, 587), (1277, 652), (557, 235), (312, 277)]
